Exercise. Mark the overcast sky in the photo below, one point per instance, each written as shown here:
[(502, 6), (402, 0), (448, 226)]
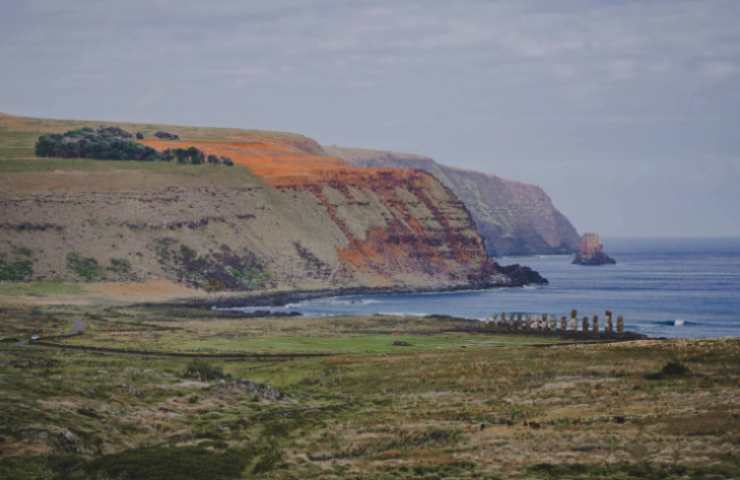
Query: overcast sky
[(626, 112)]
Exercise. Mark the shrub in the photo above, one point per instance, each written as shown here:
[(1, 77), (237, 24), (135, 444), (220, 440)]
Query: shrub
[(120, 266), (86, 268), (204, 371), (15, 271), (670, 369), (196, 156), (25, 468), (169, 463), (227, 161), (166, 135), (213, 159), (674, 368)]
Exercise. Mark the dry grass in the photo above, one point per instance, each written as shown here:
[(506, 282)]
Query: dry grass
[(574, 412)]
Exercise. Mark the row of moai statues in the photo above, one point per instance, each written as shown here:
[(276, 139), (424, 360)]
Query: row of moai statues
[(548, 323)]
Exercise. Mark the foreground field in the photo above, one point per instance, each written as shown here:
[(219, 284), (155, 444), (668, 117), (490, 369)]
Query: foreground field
[(441, 403)]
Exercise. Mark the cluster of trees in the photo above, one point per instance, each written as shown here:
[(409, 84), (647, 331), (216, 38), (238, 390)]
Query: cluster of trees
[(194, 156), (113, 143), (104, 143)]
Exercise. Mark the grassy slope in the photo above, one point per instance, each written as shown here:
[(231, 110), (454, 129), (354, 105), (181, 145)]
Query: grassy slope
[(300, 235), (572, 412), (19, 134)]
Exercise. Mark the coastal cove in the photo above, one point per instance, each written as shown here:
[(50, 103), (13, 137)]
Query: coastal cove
[(682, 288)]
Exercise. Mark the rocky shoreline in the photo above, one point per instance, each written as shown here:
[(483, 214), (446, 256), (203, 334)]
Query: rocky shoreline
[(520, 276)]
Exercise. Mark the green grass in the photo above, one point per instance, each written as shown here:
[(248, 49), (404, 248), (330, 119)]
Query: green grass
[(18, 138), (351, 343), (17, 156)]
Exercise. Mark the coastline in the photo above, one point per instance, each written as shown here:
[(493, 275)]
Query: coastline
[(286, 297)]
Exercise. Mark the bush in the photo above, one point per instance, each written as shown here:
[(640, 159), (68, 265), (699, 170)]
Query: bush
[(670, 369), (120, 266), (169, 463), (86, 268), (166, 135), (196, 156), (15, 271), (150, 463), (204, 371), (674, 368)]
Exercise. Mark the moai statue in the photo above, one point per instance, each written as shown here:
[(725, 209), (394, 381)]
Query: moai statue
[(553, 322), (574, 319), (595, 326), (563, 324), (609, 327), (545, 323), (620, 325), (584, 326)]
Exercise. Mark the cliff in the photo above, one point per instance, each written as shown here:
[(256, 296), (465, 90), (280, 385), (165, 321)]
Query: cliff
[(286, 216), (514, 218)]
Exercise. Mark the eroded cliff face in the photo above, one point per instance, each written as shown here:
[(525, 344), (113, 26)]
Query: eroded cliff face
[(513, 217), (287, 216)]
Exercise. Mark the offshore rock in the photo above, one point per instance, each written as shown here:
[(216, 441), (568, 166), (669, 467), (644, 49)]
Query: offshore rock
[(591, 252)]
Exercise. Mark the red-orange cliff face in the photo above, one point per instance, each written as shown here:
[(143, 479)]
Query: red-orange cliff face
[(287, 217), (397, 223)]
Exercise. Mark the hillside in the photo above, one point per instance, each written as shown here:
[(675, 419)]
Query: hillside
[(514, 218), (286, 217)]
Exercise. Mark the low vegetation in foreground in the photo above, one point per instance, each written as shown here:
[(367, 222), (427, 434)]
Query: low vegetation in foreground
[(395, 398)]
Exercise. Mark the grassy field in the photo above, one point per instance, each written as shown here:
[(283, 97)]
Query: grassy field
[(495, 409), (209, 333), (18, 137)]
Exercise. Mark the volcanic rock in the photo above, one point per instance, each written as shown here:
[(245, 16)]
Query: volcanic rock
[(591, 252)]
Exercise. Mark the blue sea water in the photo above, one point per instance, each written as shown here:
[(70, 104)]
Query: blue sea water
[(663, 287)]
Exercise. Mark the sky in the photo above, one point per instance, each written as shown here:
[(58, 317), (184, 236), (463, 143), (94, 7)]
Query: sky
[(626, 112)]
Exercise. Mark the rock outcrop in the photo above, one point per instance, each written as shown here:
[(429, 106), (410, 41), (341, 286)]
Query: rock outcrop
[(514, 218), (286, 217), (591, 251)]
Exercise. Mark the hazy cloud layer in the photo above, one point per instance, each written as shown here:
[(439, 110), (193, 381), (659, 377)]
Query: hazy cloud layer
[(626, 112)]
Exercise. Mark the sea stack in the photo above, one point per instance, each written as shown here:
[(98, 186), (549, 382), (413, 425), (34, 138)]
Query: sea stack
[(591, 251)]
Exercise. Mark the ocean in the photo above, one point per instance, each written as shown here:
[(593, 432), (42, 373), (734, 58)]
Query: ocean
[(677, 287)]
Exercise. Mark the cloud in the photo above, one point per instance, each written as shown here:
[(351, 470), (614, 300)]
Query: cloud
[(531, 89)]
